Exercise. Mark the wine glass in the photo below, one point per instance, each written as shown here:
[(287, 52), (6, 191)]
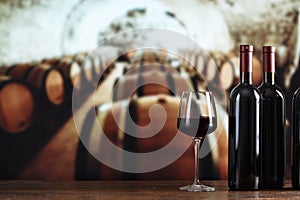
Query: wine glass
[(197, 117)]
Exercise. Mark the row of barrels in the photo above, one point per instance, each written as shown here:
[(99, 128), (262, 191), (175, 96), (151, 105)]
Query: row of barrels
[(223, 65), (210, 65), (29, 90), (160, 85), (173, 68)]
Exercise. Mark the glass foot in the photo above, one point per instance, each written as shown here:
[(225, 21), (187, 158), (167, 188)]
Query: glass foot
[(197, 188)]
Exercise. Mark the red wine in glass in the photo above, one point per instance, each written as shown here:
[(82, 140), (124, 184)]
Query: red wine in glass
[(197, 127)]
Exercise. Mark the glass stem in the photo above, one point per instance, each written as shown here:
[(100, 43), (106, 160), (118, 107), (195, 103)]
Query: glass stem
[(197, 144)]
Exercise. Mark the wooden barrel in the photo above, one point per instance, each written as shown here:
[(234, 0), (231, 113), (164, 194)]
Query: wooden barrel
[(257, 71), (17, 105), (20, 71), (214, 164), (153, 82), (4, 70), (48, 82), (230, 72), (85, 77), (70, 70)]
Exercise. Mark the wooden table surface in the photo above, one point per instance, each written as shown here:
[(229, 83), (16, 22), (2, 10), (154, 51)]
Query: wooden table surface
[(129, 190)]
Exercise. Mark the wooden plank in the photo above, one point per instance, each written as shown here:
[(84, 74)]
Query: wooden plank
[(129, 190)]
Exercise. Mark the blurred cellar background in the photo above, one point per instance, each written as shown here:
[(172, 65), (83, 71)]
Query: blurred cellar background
[(48, 50)]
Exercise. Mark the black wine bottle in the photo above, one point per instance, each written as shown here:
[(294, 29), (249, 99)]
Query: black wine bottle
[(244, 129), (296, 141), (273, 127)]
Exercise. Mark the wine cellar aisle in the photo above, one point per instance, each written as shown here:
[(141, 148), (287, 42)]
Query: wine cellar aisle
[(74, 74)]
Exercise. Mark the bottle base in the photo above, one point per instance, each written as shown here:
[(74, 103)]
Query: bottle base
[(271, 187), (295, 186), (243, 188)]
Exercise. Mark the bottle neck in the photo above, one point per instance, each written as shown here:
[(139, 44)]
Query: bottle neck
[(246, 77), (246, 66), (269, 64), (269, 77)]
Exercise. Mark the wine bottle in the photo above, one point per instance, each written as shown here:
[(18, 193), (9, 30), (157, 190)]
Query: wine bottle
[(244, 128), (273, 127), (296, 140)]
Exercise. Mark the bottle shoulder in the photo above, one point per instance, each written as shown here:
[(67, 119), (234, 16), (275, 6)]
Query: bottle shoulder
[(297, 95), (245, 91), (271, 90)]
